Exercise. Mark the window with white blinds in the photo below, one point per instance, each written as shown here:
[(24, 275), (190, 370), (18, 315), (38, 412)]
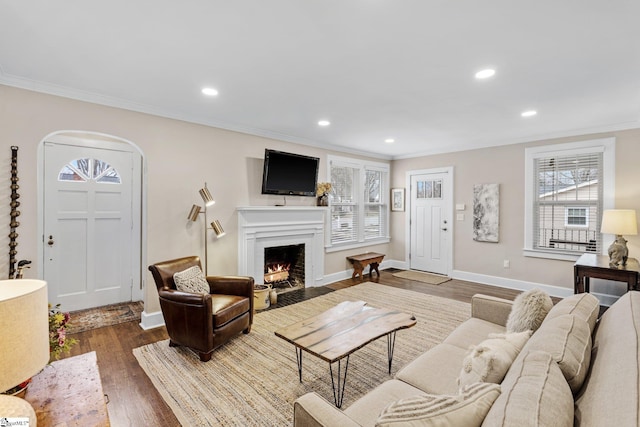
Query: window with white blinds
[(567, 188), (358, 201), (568, 208)]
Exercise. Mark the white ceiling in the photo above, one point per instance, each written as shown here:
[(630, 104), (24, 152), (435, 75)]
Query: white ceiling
[(377, 69)]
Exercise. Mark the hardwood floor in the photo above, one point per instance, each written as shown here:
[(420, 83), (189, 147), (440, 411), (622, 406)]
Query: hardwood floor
[(134, 401)]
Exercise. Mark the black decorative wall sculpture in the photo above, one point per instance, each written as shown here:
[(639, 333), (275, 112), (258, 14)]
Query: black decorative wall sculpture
[(13, 235)]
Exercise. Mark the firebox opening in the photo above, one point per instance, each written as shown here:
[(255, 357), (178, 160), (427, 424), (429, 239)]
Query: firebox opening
[(284, 267)]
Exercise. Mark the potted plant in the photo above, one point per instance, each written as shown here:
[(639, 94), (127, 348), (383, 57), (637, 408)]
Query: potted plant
[(59, 342)]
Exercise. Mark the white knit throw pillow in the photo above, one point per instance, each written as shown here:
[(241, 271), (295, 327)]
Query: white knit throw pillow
[(192, 280), (490, 360)]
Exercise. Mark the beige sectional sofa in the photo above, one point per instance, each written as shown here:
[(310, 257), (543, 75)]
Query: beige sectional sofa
[(574, 370)]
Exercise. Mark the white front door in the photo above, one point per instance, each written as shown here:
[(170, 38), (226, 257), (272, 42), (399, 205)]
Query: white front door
[(88, 226), (430, 228)]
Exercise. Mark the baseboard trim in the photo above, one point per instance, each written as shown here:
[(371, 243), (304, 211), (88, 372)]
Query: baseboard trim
[(556, 291), (503, 282), (151, 320)]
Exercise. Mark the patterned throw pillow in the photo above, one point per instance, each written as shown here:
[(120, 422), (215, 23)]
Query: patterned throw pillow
[(490, 360), (465, 409), (192, 280), (529, 310)]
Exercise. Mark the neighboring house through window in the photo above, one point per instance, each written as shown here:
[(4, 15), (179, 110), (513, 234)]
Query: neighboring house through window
[(567, 188), (576, 217), (358, 202)]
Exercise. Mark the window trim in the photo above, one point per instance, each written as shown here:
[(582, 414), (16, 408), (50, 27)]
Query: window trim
[(605, 145), (362, 165), (585, 216)]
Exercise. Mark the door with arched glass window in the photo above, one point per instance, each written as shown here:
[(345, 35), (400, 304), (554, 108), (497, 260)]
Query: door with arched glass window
[(88, 225)]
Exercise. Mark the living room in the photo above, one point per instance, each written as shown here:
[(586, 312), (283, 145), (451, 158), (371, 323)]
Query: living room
[(178, 154)]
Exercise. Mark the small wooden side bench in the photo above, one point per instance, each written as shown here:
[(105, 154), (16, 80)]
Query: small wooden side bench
[(361, 261)]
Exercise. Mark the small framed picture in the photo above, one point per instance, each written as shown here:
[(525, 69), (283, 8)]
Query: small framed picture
[(397, 199)]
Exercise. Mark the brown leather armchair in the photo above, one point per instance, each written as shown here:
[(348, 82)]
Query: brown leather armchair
[(203, 322)]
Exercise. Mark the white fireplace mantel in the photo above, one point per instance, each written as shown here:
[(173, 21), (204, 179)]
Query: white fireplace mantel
[(260, 227)]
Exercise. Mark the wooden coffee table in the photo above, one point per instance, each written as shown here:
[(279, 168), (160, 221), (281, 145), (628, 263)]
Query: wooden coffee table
[(336, 333)]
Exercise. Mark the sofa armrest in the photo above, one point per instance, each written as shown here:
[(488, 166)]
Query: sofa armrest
[(311, 410), (492, 309)]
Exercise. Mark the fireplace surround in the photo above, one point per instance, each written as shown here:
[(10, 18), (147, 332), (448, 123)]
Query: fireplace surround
[(261, 227)]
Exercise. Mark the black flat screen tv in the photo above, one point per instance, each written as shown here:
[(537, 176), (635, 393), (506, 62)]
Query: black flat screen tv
[(289, 174)]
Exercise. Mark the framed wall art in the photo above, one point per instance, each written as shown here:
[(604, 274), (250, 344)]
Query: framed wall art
[(486, 212), (397, 199)]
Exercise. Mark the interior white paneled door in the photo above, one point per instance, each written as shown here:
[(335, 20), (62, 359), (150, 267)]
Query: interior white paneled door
[(88, 227), (429, 223)]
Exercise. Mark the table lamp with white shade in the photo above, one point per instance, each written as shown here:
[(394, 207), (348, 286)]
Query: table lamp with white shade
[(24, 334), (619, 222)]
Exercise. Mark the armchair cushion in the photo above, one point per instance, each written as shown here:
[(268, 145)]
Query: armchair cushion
[(227, 307), (191, 280)]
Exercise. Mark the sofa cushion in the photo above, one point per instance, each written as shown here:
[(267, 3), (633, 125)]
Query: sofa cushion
[(490, 360), (534, 393), (191, 280), (365, 411), (528, 311), (583, 305), (472, 332), (465, 409), (611, 392), (568, 339), (435, 371)]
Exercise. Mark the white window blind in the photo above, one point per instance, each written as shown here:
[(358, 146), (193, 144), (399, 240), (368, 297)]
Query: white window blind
[(568, 206), (343, 200), (358, 202)]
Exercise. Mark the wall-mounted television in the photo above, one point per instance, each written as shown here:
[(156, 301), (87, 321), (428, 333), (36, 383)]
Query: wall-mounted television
[(289, 174)]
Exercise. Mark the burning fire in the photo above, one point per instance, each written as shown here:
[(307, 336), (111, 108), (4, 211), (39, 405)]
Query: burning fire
[(277, 273), (276, 268)]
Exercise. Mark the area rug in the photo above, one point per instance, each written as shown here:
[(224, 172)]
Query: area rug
[(108, 315), (253, 379), (420, 276)]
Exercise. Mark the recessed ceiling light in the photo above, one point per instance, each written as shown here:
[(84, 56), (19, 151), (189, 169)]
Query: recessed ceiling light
[(529, 113), (389, 140), (324, 123), (485, 74), (209, 91)]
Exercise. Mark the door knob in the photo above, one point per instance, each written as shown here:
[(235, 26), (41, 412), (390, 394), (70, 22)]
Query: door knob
[(50, 242)]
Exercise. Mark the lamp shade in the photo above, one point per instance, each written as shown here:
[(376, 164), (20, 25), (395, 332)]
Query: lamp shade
[(619, 221), (206, 196), (194, 212), (217, 228), (24, 330)]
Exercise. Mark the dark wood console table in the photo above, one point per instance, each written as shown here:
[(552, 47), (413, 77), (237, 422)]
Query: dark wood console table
[(597, 266)]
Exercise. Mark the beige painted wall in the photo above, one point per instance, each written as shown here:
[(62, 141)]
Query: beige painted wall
[(505, 165), (180, 157)]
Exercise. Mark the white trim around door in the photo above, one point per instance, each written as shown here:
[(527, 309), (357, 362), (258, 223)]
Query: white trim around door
[(449, 213)]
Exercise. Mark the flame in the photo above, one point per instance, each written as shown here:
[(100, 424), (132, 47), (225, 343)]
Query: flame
[(277, 268)]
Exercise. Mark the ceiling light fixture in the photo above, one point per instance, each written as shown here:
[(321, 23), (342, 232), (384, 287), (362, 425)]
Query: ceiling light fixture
[(209, 91), (485, 74), (529, 113), (389, 140), (324, 123)]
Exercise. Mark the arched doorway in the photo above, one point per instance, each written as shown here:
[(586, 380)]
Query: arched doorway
[(91, 186)]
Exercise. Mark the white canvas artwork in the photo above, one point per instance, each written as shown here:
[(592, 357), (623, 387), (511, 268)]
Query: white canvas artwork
[(486, 212)]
